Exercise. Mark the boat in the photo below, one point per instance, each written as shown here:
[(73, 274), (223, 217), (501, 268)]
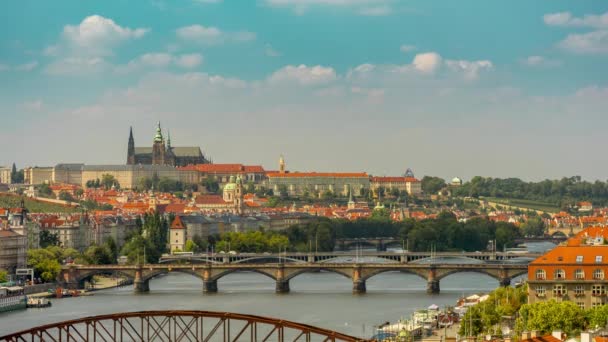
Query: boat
[(12, 298), (35, 302)]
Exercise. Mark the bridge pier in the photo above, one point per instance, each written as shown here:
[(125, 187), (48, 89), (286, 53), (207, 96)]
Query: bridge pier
[(505, 281), (381, 247), (139, 284), (432, 287), (209, 286), (359, 287), (282, 286)]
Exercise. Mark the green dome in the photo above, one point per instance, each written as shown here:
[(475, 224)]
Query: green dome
[(159, 135)]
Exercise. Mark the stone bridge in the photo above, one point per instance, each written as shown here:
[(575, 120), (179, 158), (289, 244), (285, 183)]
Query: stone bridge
[(330, 257), (380, 243), (74, 276)]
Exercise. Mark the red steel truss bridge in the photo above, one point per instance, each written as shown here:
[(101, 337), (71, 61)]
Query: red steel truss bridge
[(165, 326)]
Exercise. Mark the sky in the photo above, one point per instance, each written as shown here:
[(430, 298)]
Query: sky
[(448, 88)]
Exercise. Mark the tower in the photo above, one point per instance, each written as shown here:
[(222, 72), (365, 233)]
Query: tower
[(158, 149), (281, 164), (238, 195), (131, 148)]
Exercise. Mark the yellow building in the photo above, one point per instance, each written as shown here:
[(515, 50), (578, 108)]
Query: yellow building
[(5, 175), (38, 175), (130, 176)]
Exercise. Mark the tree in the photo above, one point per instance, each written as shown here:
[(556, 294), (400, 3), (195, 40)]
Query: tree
[(533, 227), (211, 185), (432, 185), (44, 190), (3, 275), (190, 246), (79, 192), (597, 316), (108, 181), (550, 315), (44, 262), (66, 196), (283, 193), (48, 239), (98, 255)]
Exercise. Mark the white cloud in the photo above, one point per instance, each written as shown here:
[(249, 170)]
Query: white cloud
[(77, 66), (35, 105), (539, 61), (270, 51), (4, 67), (212, 35), (362, 7), (470, 69), (428, 62), (304, 75), (189, 61), (375, 11), (566, 19), (407, 48), (96, 35), (159, 59), (595, 42), (27, 66)]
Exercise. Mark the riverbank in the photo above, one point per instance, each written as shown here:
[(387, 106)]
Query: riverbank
[(99, 283)]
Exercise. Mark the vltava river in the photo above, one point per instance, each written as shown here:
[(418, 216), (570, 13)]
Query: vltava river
[(322, 299)]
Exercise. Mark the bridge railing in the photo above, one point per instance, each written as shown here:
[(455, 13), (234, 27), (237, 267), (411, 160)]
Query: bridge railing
[(178, 326)]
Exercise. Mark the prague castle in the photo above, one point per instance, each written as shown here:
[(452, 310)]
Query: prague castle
[(163, 154)]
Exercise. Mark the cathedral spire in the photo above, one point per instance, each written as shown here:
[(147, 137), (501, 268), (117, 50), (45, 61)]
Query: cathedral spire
[(159, 134), (168, 139), (131, 148)]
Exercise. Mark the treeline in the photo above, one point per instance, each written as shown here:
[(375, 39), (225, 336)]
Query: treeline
[(563, 192), (445, 233)]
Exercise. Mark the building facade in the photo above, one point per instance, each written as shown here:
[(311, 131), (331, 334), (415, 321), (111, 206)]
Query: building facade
[(38, 175), (6, 175), (13, 238), (222, 172), (411, 185), (316, 184), (575, 272), (162, 153), (131, 176)]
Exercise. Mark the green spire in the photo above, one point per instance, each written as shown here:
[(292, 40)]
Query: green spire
[(159, 135), (168, 138)]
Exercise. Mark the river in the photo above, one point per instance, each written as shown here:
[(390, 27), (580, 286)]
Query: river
[(321, 299)]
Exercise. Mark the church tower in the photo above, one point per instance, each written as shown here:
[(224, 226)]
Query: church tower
[(158, 149), (281, 164), (131, 148)]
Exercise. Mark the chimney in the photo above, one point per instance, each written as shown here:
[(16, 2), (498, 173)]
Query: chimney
[(585, 336), (558, 335), (534, 334), (525, 335)]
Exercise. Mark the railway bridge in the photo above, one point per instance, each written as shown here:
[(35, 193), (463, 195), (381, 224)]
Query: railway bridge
[(74, 276)]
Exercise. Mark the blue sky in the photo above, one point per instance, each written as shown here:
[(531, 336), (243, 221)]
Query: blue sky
[(448, 88)]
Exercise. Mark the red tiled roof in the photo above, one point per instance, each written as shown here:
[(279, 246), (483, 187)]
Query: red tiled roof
[(394, 179), (209, 199), (546, 338), (223, 168), (177, 223), (319, 174), (175, 208)]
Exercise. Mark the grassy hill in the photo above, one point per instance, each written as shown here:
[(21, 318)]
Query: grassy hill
[(33, 206)]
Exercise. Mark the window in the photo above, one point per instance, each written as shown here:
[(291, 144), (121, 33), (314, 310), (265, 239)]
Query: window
[(541, 275), (540, 291), (559, 290), (579, 259), (579, 274), (598, 259), (560, 258), (598, 290), (579, 290), (559, 274), (581, 305), (598, 274), (596, 304)]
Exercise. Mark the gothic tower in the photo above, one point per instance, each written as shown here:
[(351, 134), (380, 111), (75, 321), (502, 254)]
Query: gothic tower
[(131, 148), (158, 149)]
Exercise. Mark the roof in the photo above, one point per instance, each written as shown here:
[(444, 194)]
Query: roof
[(209, 199), (102, 168), (177, 223), (319, 174), (183, 151), (546, 338), (394, 179), (224, 168), (567, 255)]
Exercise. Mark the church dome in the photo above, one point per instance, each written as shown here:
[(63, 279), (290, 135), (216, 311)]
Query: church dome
[(456, 180)]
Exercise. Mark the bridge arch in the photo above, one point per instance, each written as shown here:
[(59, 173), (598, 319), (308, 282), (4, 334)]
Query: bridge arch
[(296, 273), (445, 274), (429, 260), (149, 275), (83, 276), (220, 275), (267, 257), (420, 274)]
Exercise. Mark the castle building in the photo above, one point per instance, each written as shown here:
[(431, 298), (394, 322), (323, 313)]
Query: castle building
[(162, 153)]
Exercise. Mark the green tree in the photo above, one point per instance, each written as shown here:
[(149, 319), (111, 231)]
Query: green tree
[(99, 255), (66, 196), (190, 246), (211, 185), (597, 317), (533, 227), (432, 185), (78, 192), (550, 315), (48, 239), (3, 275), (44, 262), (44, 190), (108, 181)]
